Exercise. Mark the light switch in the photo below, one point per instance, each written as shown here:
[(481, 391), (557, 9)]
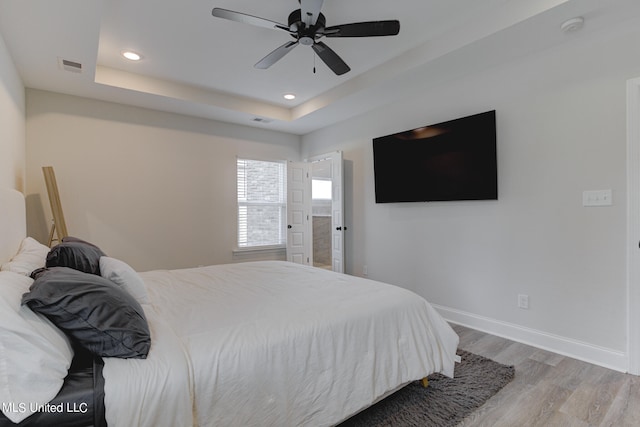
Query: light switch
[(597, 198)]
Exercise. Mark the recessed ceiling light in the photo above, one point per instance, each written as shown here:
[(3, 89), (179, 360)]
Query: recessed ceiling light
[(131, 55), (289, 96)]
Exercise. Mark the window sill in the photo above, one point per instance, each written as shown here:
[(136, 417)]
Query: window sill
[(260, 254)]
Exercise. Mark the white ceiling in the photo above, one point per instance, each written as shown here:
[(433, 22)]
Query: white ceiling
[(199, 65)]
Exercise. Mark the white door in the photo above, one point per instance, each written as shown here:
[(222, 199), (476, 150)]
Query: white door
[(337, 213), (298, 213), (338, 227)]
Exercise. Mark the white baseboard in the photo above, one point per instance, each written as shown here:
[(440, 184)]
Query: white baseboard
[(606, 357)]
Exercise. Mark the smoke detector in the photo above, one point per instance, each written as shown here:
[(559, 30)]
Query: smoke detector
[(572, 25)]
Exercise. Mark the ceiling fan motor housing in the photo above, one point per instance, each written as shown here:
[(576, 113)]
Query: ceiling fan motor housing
[(305, 35)]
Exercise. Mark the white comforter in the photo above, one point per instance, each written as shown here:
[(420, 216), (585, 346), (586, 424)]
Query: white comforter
[(276, 344), (151, 392)]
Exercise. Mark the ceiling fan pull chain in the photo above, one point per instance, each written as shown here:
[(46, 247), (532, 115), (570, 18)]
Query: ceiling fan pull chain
[(314, 62)]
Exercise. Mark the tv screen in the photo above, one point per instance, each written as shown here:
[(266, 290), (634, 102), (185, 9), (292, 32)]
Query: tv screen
[(454, 160)]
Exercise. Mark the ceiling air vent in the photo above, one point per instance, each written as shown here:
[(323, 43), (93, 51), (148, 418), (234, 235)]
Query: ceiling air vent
[(67, 65)]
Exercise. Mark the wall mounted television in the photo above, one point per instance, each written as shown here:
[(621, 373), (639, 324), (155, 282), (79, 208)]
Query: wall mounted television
[(453, 160)]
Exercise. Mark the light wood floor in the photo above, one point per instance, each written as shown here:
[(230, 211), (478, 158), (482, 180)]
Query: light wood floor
[(550, 389)]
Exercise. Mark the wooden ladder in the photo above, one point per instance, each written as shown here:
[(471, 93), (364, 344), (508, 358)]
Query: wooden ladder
[(58, 226)]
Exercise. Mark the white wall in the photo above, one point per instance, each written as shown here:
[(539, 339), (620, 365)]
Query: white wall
[(12, 123), (561, 130), (155, 189)]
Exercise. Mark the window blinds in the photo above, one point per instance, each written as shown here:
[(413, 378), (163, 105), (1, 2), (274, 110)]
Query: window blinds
[(262, 203)]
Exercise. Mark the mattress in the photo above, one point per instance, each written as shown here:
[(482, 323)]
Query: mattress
[(277, 343)]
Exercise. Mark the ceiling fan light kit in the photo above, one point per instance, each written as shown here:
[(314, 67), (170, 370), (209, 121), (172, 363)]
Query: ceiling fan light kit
[(307, 26)]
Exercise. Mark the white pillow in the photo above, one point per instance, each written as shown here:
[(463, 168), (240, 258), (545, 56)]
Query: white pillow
[(120, 273), (35, 354), (31, 256)]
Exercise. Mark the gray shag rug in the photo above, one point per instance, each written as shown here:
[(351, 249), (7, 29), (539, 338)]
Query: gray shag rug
[(446, 401)]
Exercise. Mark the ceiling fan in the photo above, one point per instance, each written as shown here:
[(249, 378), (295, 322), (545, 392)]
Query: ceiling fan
[(307, 26)]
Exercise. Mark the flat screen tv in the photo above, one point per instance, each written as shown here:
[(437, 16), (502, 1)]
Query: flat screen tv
[(453, 160)]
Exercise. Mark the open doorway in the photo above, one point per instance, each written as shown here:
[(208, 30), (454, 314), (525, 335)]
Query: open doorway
[(321, 197), (322, 207), (327, 172)]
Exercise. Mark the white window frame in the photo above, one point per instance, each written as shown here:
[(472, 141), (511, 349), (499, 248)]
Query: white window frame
[(243, 241)]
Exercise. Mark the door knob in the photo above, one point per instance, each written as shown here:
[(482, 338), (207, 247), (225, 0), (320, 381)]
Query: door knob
[(288, 226)]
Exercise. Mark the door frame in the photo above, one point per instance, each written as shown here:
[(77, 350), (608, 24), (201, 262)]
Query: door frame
[(633, 226)]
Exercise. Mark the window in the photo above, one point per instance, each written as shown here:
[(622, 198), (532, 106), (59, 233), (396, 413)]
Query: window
[(262, 203), (321, 189)]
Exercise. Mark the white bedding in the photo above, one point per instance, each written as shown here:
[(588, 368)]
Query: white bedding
[(151, 392), (280, 344)]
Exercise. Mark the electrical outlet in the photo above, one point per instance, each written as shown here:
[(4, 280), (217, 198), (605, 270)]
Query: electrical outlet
[(523, 301)]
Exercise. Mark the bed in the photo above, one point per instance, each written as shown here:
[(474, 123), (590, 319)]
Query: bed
[(258, 343)]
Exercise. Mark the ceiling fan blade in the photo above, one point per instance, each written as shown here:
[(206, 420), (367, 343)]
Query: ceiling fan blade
[(330, 58), (275, 55), (364, 29), (310, 10), (247, 19)]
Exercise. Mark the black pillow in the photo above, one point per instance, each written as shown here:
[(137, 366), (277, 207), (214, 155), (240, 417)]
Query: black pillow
[(91, 310), (77, 254)]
